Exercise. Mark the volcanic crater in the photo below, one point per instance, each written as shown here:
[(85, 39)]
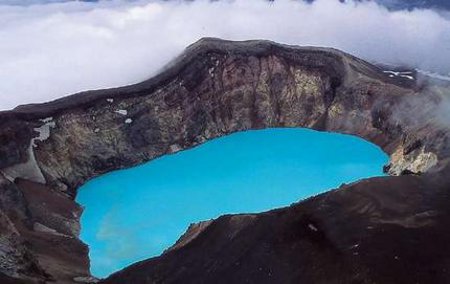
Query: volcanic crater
[(392, 229)]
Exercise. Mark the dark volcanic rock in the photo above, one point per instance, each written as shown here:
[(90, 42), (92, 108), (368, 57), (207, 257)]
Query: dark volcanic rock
[(382, 230), (219, 87)]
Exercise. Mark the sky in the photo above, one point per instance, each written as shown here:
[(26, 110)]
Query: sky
[(55, 49)]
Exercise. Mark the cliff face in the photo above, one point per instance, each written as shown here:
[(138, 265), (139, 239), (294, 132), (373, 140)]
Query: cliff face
[(215, 88), (381, 230)]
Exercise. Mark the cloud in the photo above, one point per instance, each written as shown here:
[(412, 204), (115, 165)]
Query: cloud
[(48, 51)]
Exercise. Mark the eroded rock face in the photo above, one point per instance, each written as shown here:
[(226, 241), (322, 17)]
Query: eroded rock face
[(380, 230), (215, 88)]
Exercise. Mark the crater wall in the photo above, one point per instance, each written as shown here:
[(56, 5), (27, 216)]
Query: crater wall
[(213, 89)]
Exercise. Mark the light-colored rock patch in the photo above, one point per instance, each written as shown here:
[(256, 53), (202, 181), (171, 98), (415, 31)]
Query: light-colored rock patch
[(30, 169), (38, 227), (418, 161)]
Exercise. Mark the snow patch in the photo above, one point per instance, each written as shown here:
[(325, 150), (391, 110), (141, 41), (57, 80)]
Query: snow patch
[(312, 227), (46, 120), (30, 169), (211, 71), (121, 111), (128, 120), (402, 74), (43, 130)]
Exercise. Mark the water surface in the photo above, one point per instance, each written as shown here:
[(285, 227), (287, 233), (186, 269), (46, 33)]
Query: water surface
[(136, 213)]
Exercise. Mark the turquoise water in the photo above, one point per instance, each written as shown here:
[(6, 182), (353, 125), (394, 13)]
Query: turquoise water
[(136, 213)]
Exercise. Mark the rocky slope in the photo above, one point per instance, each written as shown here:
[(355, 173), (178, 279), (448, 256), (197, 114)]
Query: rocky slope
[(215, 88), (382, 230)]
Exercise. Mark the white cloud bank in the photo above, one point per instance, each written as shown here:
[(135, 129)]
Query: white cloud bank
[(48, 51)]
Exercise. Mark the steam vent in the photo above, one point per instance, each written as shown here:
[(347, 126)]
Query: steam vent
[(391, 229)]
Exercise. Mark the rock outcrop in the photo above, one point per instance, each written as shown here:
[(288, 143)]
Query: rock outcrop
[(381, 230), (213, 89)]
